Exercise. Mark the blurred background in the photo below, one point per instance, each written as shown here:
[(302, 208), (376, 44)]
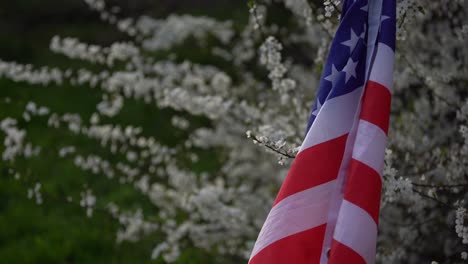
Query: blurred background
[(197, 190), (56, 231)]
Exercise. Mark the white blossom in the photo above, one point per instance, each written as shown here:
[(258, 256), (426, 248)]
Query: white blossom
[(220, 210), (88, 201)]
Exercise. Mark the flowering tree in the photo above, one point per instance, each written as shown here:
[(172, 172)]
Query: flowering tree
[(258, 86)]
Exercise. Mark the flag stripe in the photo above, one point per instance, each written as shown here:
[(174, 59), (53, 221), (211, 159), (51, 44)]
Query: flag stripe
[(334, 119), (376, 105), (295, 214), (302, 248), (364, 183), (313, 166), (330, 199), (356, 229), (382, 67), (343, 254), (370, 145)]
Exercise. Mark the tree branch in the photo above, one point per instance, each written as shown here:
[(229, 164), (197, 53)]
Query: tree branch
[(433, 199), (283, 153), (441, 186)]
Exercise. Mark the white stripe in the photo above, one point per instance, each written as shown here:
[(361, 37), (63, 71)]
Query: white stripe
[(334, 119), (382, 68), (356, 229), (337, 196), (373, 22), (298, 212), (370, 144)]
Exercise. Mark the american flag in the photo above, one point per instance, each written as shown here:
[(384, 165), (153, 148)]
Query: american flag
[(328, 206)]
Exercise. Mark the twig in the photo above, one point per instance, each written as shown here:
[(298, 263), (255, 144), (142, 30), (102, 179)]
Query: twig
[(410, 65), (402, 20), (336, 7), (442, 186), (254, 138), (433, 199), (253, 10)]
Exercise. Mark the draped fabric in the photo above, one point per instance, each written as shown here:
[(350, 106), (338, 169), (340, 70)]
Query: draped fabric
[(328, 206)]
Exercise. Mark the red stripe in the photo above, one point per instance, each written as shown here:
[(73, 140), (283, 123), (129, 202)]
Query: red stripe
[(340, 254), (376, 105), (363, 188), (301, 248), (313, 166)]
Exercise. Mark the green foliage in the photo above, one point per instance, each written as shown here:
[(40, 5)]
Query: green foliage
[(58, 231)]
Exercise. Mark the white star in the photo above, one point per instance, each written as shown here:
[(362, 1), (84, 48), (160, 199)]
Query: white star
[(365, 8), (363, 34), (317, 110), (351, 43), (333, 77), (350, 69), (383, 18)]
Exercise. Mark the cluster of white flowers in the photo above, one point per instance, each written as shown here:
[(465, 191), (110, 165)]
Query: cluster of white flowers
[(460, 228), (330, 7), (180, 122), (134, 226), (33, 110), (256, 17), (26, 73), (35, 193), (175, 29), (95, 164), (74, 49), (276, 143), (221, 209), (66, 150), (88, 201), (14, 141), (270, 56)]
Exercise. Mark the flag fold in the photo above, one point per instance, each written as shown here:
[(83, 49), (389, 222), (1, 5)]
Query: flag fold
[(328, 205)]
